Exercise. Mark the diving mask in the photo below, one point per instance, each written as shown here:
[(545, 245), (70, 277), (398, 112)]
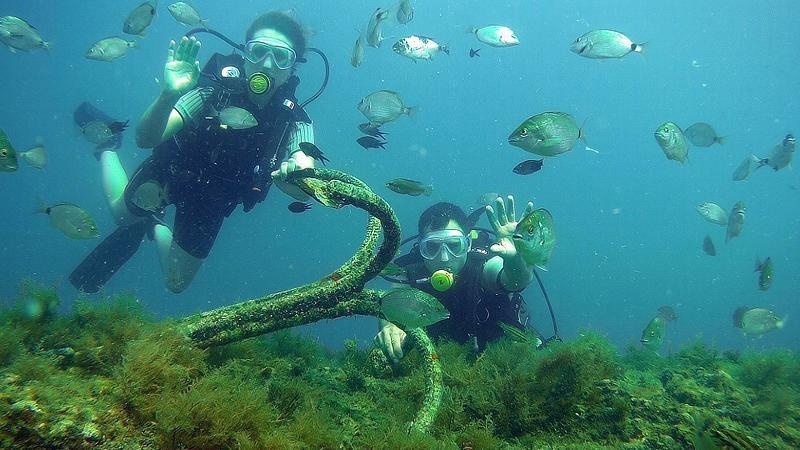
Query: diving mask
[(452, 241), (278, 52)]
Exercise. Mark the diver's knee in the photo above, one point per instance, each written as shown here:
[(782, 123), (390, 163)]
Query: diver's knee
[(181, 267)]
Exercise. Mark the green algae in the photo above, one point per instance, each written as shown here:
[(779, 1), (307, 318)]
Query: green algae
[(153, 388)]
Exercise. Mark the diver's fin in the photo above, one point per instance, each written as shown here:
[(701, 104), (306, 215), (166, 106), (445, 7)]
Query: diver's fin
[(109, 256), (86, 112)]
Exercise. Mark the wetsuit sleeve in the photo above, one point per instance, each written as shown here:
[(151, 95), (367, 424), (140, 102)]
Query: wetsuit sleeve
[(193, 103), (301, 132)]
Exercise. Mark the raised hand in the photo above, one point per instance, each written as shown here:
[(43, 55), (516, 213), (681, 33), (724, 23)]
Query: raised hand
[(182, 70)]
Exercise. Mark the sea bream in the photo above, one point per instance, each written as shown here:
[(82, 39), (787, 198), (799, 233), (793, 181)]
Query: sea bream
[(781, 155), (140, 18), (17, 34), (604, 44), (713, 213), (757, 321), (672, 141), (735, 221), (383, 106), (109, 49), (419, 47), (8, 156), (374, 36), (496, 35)]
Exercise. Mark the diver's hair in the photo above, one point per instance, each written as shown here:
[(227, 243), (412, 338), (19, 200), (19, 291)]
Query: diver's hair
[(437, 216), (286, 24)]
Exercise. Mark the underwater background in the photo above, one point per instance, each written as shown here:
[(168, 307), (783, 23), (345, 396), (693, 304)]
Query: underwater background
[(629, 238)]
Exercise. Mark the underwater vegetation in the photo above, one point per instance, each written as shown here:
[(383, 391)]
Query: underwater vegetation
[(107, 376)]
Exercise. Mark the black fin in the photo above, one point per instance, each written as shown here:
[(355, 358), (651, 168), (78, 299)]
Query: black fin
[(108, 257)]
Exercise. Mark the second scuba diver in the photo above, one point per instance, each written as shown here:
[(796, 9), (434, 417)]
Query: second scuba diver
[(479, 284), (203, 162)]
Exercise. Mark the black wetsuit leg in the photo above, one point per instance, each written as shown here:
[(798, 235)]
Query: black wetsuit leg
[(196, 226)]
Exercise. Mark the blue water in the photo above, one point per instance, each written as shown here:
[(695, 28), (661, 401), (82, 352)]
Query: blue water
[(629, 239)]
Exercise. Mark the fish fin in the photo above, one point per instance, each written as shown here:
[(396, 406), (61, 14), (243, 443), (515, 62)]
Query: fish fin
[(720, 139), (445, 48), (758, 264), (411, 111), (779, 324), (428, 190), (640, 48), (471, 30)]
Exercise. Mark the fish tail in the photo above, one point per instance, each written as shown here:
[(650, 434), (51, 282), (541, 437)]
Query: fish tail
[(445, 48), (639, 48), (46, 45), (470, 29), (411, 111), (427, 190), (204, 23), (779, 324), (720, 139)]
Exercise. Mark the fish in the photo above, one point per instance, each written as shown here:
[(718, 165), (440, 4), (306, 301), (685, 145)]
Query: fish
[(419, 47), (735, 221), (237, 118), (496, 35), (370, 142), (71, 220), (99, 132), (757, 321), (409, 187), (546, 134), (139, 19), (701, 134), (528, 167), (298, 207), (8, 156), (19, 35), (672, 141), (372, 130), (520, 336), (766, 273), (313, 151), (708, 246), (603, 44), (150, 196), (373, 31), (35, 156), (473, 52), (358, 52), (653, 334), (392, 270), (781, 155), (412, 308), (713, 213), (747, 167), (383, 106), (405, 12), (109, 49), (186, 14), (534, 237)]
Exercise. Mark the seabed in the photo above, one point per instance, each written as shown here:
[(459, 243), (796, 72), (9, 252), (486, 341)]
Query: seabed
[(107, 376)]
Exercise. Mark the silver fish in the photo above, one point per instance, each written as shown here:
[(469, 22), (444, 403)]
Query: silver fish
[(713, 213), (186, 14), (358, 52), (534, 237), (35, 156), (8, 156), (150, 196), (17, 34), (405, 12), (383, 106), (419, 47), (602, 44), (237, 118), (71, 220), (757, 321), (672, 141), (373, 32), (547, 134), (97, 132), (412, 308), (747, 167), (496, 35), (139, 19), (701, 134), (109, 49), (735, 221), (781, 155)]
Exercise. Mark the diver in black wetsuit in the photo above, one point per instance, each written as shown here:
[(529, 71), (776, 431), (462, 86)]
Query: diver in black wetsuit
[(202, 164), (478, 282)]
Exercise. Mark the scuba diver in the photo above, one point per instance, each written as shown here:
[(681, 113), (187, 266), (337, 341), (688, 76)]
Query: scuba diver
[(219, 137), (477, 281)]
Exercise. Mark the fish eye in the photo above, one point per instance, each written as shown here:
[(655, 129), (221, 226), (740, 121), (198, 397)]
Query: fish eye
[(4, 152), (531, 229), (523, 132)]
